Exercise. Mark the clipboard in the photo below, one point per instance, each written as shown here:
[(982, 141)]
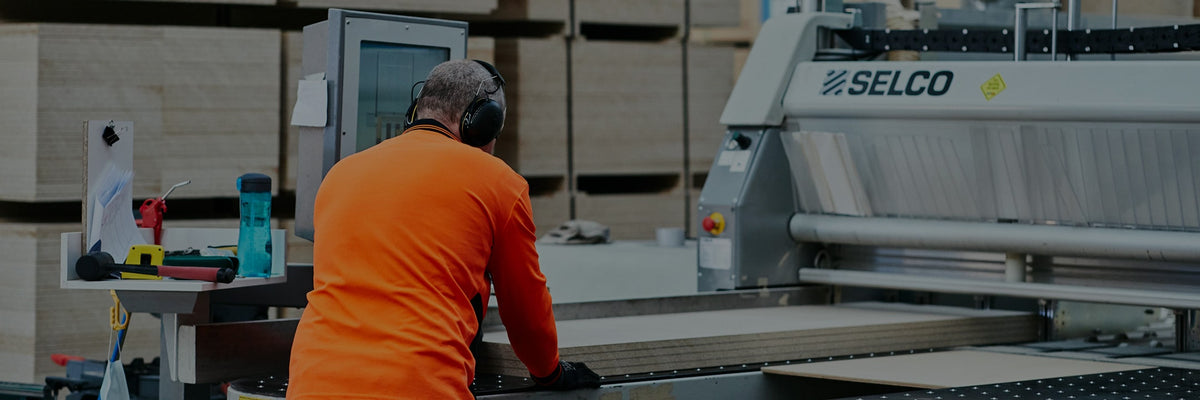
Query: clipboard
[(105, 142)]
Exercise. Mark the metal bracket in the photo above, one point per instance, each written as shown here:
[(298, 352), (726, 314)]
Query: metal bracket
[(1019, 28)]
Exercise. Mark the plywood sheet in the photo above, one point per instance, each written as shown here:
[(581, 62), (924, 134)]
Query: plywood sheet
[(710, 81), (18, 301), (253, 2), (42, 319), (532, 10), (293, 57), (665, 327), (550, 211), (711, 22), (221, 111), (627, 107), (18, 82), (633, 216), (649, 343), (630, 12), (204, 101), (715, 12), (92, 72), (534, 139), (482, 48), (949, 369), (456, 6)]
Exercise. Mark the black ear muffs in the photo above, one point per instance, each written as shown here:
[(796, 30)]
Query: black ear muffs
[(483, 119), (482, 122)]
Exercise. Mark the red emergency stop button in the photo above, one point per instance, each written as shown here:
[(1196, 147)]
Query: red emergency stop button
[(714, 223)]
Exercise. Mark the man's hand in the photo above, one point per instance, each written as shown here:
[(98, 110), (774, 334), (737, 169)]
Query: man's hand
[(568, 376)]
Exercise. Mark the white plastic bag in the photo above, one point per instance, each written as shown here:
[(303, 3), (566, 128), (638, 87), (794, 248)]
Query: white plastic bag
[(114, 386)]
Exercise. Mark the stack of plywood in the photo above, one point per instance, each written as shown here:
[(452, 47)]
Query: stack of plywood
[(456, 6), (204, 103), (627, 107), (710, 13), (657, 13), (531, 53), (534, 140), (710, 80), (205, 108), (289, 140), (725, 21), (40, 319), (632, 216), (653, 343), (627, 118), (251, 2), (557, 11)]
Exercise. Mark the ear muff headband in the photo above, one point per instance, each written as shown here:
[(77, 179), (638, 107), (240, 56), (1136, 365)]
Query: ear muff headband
[(410, 115)]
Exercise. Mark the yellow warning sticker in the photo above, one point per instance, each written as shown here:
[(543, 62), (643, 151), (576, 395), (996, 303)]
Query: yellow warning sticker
[(993, 87)]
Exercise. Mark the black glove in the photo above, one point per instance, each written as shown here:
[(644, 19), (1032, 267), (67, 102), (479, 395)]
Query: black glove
[(568, 376)]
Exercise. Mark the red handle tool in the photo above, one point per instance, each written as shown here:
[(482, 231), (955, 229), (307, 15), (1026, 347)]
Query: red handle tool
[(153, 210)]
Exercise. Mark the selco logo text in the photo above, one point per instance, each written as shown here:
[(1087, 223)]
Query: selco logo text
[(886, 83)]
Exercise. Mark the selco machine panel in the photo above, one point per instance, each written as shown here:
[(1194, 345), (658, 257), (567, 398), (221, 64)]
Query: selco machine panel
[(838, 165)]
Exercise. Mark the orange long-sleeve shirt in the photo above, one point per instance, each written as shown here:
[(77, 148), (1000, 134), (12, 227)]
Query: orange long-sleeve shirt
[(407, 233)]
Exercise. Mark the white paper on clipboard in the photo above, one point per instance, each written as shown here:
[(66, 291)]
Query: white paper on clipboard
[(108, 223)]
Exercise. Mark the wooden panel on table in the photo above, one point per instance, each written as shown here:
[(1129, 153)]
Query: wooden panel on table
[(949, 369)]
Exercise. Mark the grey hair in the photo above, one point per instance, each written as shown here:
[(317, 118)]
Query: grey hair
[(450, 88)]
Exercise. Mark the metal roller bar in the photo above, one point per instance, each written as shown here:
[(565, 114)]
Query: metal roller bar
[(1048, 240), (1152, 298)]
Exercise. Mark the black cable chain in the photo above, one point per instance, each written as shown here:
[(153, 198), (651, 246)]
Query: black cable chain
[(1161, 39)]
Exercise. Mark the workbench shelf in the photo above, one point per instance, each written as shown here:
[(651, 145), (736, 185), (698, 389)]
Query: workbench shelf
[(173, 238), (171, 285)]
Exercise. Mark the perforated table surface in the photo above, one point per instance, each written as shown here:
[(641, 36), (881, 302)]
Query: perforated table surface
[(1144, 384)]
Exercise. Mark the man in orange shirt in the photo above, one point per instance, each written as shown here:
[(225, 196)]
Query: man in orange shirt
[(409, 236)]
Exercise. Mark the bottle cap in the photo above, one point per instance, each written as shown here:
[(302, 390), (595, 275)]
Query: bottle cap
[(254, 182)]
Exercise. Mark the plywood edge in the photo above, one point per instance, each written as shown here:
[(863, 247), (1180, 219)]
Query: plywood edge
[(834, 377), (956, 365)]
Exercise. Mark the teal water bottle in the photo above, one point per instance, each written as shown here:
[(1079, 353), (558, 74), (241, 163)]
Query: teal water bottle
[(254, 234)]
